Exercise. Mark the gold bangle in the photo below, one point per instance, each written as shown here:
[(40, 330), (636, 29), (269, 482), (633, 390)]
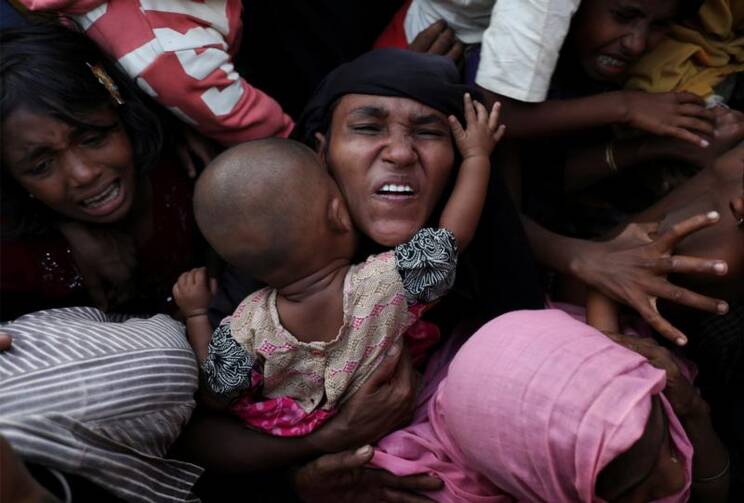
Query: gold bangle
[(610, 157)]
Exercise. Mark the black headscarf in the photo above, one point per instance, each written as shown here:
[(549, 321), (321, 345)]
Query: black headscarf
[(497, 273), (426, 78)]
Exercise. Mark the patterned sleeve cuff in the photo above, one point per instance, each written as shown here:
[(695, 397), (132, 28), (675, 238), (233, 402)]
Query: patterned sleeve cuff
[(227, 369), (427, 264)]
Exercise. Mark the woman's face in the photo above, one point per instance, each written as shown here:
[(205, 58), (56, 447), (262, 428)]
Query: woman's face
[(391, 158), (84, 174), (608, 36)]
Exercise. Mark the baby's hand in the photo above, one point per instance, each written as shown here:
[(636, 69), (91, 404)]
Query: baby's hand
[(483, 130), (194, 291)]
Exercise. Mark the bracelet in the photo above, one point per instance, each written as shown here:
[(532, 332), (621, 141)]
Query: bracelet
[(719, 475), (610, 157), (198, 312)]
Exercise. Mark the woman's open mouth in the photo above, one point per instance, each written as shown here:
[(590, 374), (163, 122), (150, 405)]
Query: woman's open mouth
[(610, 65), (105, 202)]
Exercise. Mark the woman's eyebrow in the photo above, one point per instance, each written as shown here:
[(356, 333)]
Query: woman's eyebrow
[(370, 111), (35, 152), (423, 120)]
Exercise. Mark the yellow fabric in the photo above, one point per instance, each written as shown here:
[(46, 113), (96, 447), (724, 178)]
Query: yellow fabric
[(696, 56)]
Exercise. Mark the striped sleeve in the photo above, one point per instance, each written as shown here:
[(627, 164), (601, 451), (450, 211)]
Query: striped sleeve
[(101, 399)]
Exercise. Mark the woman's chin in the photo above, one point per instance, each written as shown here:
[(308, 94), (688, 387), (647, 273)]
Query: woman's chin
[(392, 234)]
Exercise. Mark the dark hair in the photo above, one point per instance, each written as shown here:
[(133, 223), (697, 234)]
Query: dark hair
[(46, 69)]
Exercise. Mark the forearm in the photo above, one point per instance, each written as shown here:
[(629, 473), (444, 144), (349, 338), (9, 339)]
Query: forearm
[(559, 253), (558, 117), (221, 442), (710, 462), (596, 162), (463, 210), (199, 333)]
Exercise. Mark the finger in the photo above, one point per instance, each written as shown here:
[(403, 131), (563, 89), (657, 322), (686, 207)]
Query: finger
[(499, 133), (388, 495), (685, 97), (443, 43), (213, 286), (420, 483), (5, 341), (426, 38), (684, 135), (387, 369), (344, 461), (689, 298), (705, 114), (456, 127), (648, 311), (690, 265), (480, 112), (697, 125), (493, 117), (668, 240), (456, 52), (469, 109)]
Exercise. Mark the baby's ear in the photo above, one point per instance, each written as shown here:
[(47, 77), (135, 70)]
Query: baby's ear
[(338, 215)]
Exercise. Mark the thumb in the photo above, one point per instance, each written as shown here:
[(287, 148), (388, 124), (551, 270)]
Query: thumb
[(346, 460), (213, 285)]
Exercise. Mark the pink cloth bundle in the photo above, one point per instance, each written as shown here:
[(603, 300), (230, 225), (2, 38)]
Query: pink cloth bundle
[(533, 406)]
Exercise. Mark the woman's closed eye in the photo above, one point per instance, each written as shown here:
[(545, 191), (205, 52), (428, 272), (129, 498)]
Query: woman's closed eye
[(431, 133), (41, 168), (94, 139), (367, 128)]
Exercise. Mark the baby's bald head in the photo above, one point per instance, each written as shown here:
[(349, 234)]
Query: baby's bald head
[(255, 201)]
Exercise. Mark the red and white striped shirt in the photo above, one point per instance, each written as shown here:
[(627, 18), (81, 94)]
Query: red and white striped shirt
[(180, 53)]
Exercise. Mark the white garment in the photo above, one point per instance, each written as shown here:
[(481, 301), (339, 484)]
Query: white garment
[(521, 39)]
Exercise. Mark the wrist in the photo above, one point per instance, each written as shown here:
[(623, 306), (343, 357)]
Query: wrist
[(618, 107), (196, 313)]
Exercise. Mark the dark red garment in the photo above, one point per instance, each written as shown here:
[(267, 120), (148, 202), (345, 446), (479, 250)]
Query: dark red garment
[(40, 273)]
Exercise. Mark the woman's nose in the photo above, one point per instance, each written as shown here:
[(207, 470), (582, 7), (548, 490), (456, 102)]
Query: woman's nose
[(81, 170), (634, 43), (400, 150)]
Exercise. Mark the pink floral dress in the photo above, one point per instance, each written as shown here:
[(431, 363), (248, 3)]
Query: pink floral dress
[(287, 387)]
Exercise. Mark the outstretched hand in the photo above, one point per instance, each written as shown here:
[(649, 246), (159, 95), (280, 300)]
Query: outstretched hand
[(633, 269), (482, 131), (675, 114)]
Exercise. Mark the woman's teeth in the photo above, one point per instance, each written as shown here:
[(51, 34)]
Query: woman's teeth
[(610, 61), (396, 189), (104, 197)]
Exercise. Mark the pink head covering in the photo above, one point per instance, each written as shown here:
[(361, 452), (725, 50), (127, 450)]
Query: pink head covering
[(539, 403)]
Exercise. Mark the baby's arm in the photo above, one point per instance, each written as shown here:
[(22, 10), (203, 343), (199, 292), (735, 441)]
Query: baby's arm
[(475, 143), (193, 292), (601, 312)]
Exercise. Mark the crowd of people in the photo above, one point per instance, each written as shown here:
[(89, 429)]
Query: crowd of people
[(400, 251)]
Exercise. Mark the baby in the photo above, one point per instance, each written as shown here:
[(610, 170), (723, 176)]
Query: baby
[(293, 351)]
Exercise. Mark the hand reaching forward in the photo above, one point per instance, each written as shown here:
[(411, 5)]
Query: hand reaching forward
[(633, 267), (678, 115), (482, 131)]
